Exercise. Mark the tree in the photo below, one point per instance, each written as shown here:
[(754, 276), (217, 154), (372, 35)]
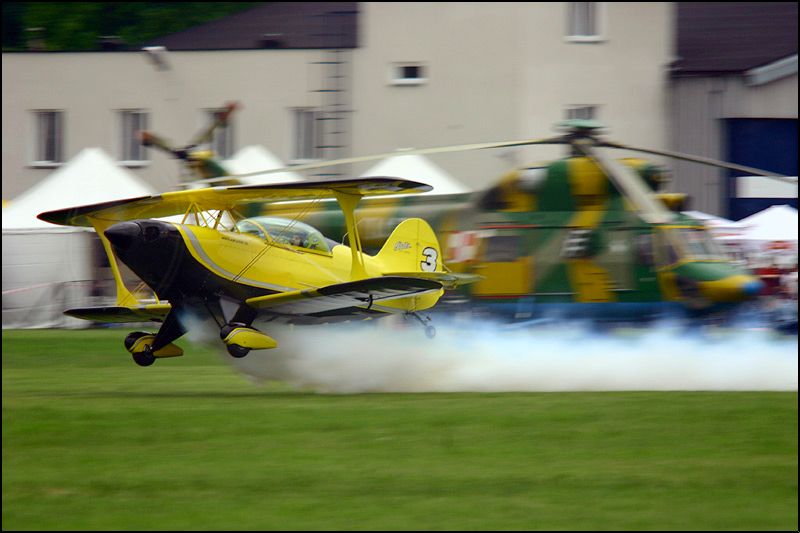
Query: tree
[(77, 26)]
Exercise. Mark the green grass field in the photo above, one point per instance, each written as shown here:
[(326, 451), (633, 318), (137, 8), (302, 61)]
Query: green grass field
[(93, 442)]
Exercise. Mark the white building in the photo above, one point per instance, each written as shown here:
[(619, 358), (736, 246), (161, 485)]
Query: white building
[(388, 76), (734, 97)]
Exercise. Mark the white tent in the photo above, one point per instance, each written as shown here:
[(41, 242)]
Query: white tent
[(718, 226), (418, 168), (776, 223), (90, 177), (712, 220), (254, 158), (47, 268)]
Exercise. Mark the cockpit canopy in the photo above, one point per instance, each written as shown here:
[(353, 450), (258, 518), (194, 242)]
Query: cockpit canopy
[(694, 244), (285, 231)]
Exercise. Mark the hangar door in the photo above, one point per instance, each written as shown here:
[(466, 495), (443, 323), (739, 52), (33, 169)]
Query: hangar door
[(767, 143)]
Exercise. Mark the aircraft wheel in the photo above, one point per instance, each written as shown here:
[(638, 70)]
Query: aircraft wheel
[(430, 332), (133, 337), (238, 351), (145, 358)]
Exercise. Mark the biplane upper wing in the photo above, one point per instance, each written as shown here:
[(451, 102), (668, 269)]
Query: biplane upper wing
[(362, 293), (227, 198)]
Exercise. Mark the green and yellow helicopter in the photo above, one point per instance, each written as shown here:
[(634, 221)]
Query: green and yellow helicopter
[(586, 236)]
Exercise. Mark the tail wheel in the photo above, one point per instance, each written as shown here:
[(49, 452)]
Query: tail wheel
[(430, 332), (238, 351)]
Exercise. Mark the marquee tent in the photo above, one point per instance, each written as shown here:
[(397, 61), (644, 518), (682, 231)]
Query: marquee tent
[(719, 227), (91, 176), (776, 223), (769, 237), (418, 168), (48, 268), (254, 158)]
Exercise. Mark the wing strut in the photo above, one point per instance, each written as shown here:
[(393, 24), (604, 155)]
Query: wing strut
[(348, 203), (124, 296)]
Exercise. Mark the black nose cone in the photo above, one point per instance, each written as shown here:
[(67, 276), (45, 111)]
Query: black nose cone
[(124, 235)]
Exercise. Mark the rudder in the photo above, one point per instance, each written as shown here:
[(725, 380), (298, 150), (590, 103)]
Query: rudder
[(411, 247)]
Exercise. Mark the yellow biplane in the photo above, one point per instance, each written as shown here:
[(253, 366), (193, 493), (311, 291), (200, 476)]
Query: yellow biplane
[(217, 262)]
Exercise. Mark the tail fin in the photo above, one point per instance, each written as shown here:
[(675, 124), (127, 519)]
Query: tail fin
[(412, 247)]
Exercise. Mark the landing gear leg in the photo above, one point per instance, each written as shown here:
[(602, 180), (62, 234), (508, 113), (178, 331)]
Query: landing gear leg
[(170, 330)]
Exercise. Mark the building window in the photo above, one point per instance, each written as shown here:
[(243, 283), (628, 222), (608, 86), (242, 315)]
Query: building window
[(221, 142), (581, 112), (584, 21), (408, 74), (307, 135), (49, 137), (132, 121)]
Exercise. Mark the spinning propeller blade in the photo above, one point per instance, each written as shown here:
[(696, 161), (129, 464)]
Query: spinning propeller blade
[(702, 160), (581, 135), (560, 139)]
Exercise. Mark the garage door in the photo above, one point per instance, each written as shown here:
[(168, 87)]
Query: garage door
[(770, 144)]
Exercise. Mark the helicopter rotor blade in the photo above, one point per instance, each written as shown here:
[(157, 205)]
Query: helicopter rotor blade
[(221, 119), (650, 209), (703, 160), (150, 139), (560, 139)]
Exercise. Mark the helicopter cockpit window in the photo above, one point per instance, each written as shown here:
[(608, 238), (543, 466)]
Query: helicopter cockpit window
[(694, 244), (665, 251), (644, 249), (697, 244), (285, 231)]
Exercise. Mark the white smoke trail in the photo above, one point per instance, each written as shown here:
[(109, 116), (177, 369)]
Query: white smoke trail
[(379, 357)]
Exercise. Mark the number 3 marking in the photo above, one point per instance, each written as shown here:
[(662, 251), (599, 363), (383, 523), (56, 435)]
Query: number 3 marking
[(430, 255)]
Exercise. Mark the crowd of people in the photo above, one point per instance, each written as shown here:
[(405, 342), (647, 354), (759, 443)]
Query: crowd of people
[(778, 297)]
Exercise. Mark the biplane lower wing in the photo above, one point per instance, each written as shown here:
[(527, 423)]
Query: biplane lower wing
[(120, 314), (363, 293), (448, 280)]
